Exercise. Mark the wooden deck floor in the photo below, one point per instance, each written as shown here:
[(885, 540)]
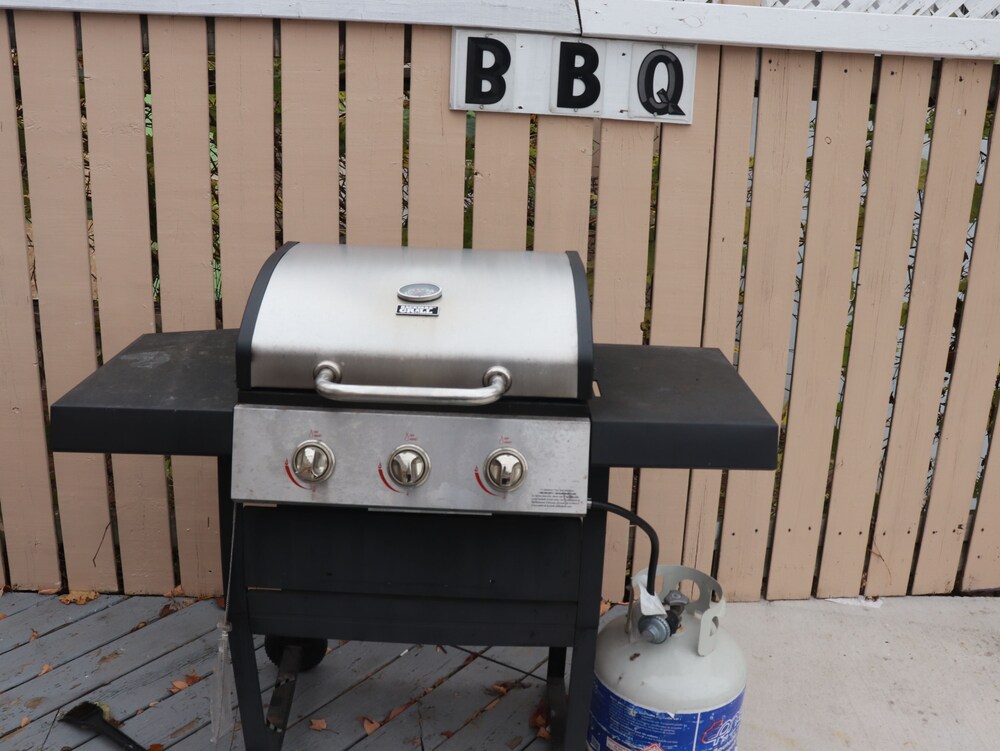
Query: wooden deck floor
[(126, 653)]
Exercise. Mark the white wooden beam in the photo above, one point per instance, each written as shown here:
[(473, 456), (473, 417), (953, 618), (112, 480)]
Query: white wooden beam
[(558, 16), (787, 28)]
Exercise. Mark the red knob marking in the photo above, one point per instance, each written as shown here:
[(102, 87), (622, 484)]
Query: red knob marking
[(386, 482), (480, 481), (288, 471)]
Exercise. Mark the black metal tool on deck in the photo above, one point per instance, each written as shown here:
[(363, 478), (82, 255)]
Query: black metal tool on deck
[(91, 717)]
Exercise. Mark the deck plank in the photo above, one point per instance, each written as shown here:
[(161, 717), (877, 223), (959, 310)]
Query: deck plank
[(59, 647), (88, 674), (15, 602), (45, 615), (127, 695)]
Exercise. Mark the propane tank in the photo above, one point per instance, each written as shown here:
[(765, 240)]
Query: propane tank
[(685, 693)]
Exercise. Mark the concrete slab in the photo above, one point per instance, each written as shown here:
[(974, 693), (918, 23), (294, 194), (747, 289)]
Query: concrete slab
[(914, 674)]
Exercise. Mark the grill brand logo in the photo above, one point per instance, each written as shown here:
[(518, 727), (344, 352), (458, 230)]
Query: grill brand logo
[(416, 310)]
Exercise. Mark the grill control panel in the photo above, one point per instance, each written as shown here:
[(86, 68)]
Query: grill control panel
[(411, 461)]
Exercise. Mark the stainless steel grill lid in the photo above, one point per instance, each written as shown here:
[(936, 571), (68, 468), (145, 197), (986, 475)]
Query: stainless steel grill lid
[(387, 322)]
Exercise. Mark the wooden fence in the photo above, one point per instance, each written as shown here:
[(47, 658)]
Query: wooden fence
[(813, 223)]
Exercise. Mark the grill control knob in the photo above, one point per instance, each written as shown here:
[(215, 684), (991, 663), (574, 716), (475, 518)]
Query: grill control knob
[(505, 469), (313, 461), (409, 465)]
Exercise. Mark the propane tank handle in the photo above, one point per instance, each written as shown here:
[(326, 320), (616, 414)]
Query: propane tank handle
[(709, 608)]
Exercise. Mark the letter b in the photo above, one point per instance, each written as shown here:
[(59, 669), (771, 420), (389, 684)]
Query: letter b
[(570, 72), (476, 73)]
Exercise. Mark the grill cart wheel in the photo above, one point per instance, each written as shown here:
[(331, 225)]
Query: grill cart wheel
[(313, 650)]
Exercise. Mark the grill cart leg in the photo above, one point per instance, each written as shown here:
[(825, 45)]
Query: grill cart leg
[(256, 736), (581, 677)]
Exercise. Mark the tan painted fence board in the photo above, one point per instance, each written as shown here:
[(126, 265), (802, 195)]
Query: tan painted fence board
[(179, 83), (244, 85), (684, 205), (374, 64), (562, 183), (436, 199), (622, 247), (737, 76), (831, 236), (982, 566), (112, 52), (53, 141), (25, 492), (779, 174), (904, 86), (961, 107), (500, 185), (310, 131), (972, 384)]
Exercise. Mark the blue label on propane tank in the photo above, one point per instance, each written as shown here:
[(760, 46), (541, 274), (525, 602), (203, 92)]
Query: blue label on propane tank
[(618, 725)]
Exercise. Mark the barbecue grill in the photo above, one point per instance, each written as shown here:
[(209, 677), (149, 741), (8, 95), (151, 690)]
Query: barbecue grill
[(413, 446)]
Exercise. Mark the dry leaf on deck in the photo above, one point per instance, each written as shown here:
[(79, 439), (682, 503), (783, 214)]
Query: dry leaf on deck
[(370, 725), (220, 603), (176, 686), (177, 591), (156, 747), (50, 591), (46, 668), (540, 717), (167, 609), (504, 687), (78, 597), (24, 721), (317, 724), (34, 635), (2, 616), (399, 710), (544, 734), (192, 678), (492, 704)]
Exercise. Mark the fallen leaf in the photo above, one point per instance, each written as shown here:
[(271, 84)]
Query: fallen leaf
[(492, 704), (329, 649), (544, 734), (176, 686), (167, 609), (136, 627), (439, 648), (152, 704), (343, 642), (79, 597), (50, 591), (192, 678), (220, 602), (46, 668), (187, 603), (370, 725), (447, 733), (156, 747), (177, 591), (469, 659), (34, 635), (24, 721), (503, 688), (540, 716), (399, 710), (317, 724), (2, 616), (605, 606)]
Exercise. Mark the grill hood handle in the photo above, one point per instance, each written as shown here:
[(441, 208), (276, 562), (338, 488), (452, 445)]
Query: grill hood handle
[(496, 382)]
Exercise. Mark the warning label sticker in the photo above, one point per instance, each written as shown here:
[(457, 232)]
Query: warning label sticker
[(619, 725)]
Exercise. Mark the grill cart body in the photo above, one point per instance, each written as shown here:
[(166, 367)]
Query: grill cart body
[(498, 552)]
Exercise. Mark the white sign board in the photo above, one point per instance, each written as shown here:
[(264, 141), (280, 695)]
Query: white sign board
[(542, 74)]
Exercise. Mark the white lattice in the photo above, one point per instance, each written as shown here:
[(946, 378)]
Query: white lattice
[(937, 8)]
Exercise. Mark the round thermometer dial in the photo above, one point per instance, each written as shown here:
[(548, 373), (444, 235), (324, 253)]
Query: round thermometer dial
[(419, 292)]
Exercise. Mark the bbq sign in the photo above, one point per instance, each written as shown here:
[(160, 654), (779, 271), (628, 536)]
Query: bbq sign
[(543, 74)]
